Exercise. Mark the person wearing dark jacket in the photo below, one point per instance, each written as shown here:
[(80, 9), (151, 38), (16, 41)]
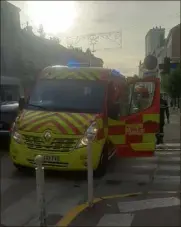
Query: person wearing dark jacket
[(164, 110)]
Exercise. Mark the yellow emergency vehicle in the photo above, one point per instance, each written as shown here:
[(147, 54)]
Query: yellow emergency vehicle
[(67, 103)]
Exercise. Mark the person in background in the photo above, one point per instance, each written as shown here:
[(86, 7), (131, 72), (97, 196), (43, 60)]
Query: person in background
[(164, 110)]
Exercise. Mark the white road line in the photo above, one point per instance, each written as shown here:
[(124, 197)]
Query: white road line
[(116, 220), (165, 153), (169, 149), (148, 204), (149, 166), (169, 167), (170, 159), (167, 179)]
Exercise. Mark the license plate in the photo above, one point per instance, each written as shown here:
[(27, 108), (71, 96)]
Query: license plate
[(51, 159)]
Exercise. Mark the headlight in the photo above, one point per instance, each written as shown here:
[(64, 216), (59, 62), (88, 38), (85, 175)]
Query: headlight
[(16, 135), (90, 133)]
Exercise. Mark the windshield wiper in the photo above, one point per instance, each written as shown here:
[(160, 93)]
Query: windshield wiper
[(41, 107)]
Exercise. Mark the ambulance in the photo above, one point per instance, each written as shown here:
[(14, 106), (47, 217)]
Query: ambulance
[(67, 103)]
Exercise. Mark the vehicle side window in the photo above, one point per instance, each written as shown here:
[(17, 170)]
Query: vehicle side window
[(141, 96)]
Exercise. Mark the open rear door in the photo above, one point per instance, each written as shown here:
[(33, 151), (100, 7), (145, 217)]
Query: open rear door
[(135, 135)]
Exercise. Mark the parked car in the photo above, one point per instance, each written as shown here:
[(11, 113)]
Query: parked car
[(10, 93)]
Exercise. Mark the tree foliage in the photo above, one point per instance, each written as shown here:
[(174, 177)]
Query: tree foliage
[(172, 83), (55, 40), (41, 31)]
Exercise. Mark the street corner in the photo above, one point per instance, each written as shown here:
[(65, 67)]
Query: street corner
[(127, 210), (83, 215)]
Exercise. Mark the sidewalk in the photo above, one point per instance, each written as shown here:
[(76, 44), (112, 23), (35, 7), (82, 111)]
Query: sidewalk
[(130, 210), (137, 192), (172, 130)]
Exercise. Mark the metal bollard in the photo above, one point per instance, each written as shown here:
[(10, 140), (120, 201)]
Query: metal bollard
[(40, 187), (90, 171)]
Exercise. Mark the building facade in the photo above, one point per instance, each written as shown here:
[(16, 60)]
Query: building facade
[(10, 39), (172, 44), (154, 39), (23, 53)]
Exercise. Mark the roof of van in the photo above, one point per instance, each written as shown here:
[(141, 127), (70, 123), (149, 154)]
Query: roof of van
[(9, 80), (84, 73)]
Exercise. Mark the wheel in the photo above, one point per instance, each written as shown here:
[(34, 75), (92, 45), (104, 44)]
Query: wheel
[(103, 163)]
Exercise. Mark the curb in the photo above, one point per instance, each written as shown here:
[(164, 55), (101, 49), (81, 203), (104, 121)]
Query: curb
[(74, 212)]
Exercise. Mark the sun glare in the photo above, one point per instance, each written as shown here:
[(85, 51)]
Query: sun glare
[(55, 16)]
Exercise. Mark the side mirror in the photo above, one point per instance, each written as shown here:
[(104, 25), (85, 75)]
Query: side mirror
[(21, 103)]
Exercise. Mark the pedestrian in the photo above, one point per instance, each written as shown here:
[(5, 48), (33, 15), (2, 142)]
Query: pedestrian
[(164, 110)]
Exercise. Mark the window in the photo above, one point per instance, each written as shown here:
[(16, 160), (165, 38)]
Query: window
[(140, 96), (9, 93), (68, 95)]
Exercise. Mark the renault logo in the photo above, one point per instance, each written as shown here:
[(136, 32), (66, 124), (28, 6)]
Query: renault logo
[(47, 136)]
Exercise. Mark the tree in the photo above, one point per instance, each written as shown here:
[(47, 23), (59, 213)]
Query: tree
[(28, 28), (172, 84), (41, 31), (55, 40)]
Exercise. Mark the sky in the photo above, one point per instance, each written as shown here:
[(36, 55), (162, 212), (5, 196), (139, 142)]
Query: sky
[(131, 19)]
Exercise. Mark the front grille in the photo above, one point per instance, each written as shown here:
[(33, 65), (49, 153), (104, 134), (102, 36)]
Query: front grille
[(57, 144), (58, 164)]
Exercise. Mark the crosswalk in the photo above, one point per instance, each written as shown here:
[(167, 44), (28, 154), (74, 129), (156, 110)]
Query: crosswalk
[(160, 172), (158, 180)]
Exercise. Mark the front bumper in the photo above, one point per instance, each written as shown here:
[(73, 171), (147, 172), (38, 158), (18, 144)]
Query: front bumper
[(69, 161)]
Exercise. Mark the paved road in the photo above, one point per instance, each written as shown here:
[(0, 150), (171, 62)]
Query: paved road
[(155, 183), (18, 195), (18, 191)]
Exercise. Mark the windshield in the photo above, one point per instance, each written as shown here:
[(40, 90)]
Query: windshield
[(9, 93), (68, 95)]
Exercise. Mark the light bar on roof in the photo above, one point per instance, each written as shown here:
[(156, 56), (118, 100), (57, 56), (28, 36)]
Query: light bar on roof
[(75, 64)]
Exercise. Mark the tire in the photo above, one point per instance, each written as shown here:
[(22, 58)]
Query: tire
[(103, 163)]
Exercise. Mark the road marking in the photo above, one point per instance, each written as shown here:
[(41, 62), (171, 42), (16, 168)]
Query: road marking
[(149, 166), (116, 220), (167, 179), (165, 153), (133, 206), (168, 145), (72, 214), (68, 218), (170, 159), (169, 167), (168, 149)]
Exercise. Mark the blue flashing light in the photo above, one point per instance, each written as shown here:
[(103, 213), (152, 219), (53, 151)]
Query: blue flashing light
[(73, 64), (116, 73)]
